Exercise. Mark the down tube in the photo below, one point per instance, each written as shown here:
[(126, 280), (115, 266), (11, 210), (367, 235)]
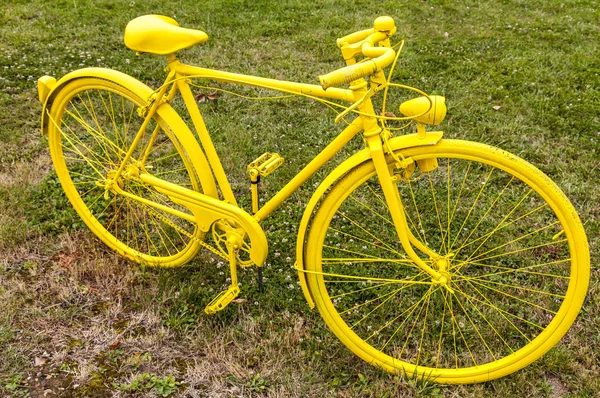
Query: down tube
[(330, 150)]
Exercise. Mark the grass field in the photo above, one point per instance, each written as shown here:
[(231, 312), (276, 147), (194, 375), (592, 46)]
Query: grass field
[(77, 320)]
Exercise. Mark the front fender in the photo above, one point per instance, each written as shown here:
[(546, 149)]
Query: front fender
[(48, 89), (396, 143)]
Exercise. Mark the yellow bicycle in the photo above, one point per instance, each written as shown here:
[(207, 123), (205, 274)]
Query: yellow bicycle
[(444, 259)]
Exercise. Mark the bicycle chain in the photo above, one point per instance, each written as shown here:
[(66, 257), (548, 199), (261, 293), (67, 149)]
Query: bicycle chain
[(186, 233)]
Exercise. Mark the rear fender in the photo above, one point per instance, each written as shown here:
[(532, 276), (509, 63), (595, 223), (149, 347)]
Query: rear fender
[(48, 89)]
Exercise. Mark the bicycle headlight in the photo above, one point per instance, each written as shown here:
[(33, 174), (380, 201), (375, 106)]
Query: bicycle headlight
[(418, 106)]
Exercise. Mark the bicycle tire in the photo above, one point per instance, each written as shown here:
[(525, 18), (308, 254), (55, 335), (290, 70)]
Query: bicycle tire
[(92, 121), (518, 268)]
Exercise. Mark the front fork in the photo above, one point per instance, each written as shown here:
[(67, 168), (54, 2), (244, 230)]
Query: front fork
[(387, 180)]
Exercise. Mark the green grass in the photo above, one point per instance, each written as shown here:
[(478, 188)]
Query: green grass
[(99, 325)]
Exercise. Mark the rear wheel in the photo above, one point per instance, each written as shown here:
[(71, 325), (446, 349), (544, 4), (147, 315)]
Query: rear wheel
[(509, 241), (92, 125)]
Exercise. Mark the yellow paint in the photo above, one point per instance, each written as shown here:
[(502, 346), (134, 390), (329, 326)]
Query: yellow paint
[(366, 53)]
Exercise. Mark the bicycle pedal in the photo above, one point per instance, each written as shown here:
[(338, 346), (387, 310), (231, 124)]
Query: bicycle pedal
[(222, 300), (266, 163)]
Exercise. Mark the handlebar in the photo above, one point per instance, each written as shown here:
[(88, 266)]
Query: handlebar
[(363, 43)]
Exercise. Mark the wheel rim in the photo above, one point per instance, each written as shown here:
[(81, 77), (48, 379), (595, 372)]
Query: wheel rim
[(91, 128), (497, 316)]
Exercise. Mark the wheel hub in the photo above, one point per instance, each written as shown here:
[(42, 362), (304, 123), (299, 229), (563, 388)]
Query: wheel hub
[(443, 267)]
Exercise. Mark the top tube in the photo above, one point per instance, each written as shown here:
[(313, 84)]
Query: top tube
[(347, 95)]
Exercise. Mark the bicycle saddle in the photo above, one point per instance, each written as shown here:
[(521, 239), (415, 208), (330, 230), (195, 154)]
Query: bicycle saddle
[(157, 34)]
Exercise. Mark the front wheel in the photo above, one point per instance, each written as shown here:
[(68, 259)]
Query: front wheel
[(510, 243)]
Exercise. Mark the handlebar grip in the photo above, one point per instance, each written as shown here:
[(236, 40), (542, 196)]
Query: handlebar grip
[(348, 74)]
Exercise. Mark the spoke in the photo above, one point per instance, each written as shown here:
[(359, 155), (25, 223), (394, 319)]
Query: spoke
[(381, 200), (85, 177), (369, 243), (90, 206), (128, 223), (423, 329), (111, 111), (166, 236), (79, 160), (487, 321), (155, 215), (160, 159), (512, 297), (420, 234), (448, 192), (98, 136), (145, 214), (353, 252), (123, 128), (499, 227), (439, 350), (84, 194), (365, 278), (462, 185), (414, 200), (158, 253), (410, 310), (458, 327), (486, 213), (386, 296), (116, 214), (347, 260), (502, 312), (471, 209), (99, 133), (452, 318), (92, 111), (415, 322), (170, 171), (361, 290), (437, 212), (103, 163), (524, 270), (462, 277), (513, 252), (86, 159), (476, 329), (377, 239), (371, 210), (87, 128), (514, 241)]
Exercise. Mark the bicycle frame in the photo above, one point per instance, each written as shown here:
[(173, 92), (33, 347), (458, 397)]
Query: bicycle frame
[(180, 71), (177, 80)]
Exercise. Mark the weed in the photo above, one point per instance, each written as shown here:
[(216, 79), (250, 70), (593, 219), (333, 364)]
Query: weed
[(164, 386), (423, 386), (258, 384), (15, 387), (181, 318)]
